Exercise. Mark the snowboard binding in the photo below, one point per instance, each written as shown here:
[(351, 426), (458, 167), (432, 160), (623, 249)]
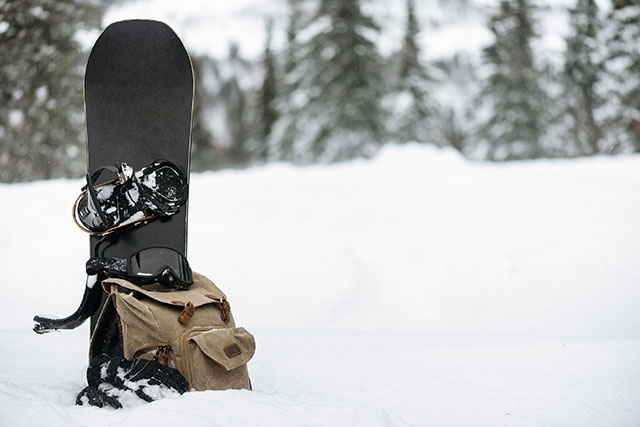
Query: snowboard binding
[(156, 191)]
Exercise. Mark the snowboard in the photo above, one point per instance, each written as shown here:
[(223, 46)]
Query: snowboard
[(138, 92)]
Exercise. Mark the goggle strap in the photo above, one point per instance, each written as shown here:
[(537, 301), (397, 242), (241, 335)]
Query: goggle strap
[(121, 268), (107, 265)]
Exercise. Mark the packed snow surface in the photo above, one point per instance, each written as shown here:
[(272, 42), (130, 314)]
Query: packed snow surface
[(415, 288)]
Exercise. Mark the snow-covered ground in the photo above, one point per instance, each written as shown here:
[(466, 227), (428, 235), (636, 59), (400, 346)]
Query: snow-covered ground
[(370, 379), (415, 289)]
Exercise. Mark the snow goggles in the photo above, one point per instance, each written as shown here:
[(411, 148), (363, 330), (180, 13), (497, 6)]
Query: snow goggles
[(158, 264)]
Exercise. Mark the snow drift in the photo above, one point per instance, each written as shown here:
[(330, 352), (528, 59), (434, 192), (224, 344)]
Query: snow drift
[(353, 277)]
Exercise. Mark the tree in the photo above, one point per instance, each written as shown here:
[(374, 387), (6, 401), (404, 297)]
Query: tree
[(235, 101), (237, 122), (512, 98), (623, 69), (458, 80), (409, 61), (267, 98), (203, 152), (582, 72), (293, 25), (280, 147), (412, 109), (333, 111), (41, 109)]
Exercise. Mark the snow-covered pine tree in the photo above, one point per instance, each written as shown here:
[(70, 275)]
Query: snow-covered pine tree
[(236, 112), (293, 25), (409, 53), (458, 81), (280, 142), (511, 104), (238, 125), (41, 108), (582, 75), (267, 97), (411, 108), (334, 109), (623, 69), (203, 153)]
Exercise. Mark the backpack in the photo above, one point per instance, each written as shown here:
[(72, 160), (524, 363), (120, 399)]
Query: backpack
[(190, 330)]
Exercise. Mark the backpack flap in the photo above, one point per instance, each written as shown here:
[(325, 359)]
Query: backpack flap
[(202, 291), (230, 348), (158, 316)]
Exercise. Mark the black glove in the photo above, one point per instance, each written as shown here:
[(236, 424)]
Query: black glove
[(104, 369), (155, 373), (97, 397)]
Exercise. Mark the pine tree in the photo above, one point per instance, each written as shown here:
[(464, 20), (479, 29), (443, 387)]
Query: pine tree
[(203, 152), (293, 24), (280, 144), (458, 80), (409, 62), (237, 122), (41, 108), (334, 110), (412, 108), (512, 95), (451, 129), (267, 97), (582, 72), (623, 68), (236, 112)]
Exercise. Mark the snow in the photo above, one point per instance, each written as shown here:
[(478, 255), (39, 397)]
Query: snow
[(412, 289), (347, 379), (104, 192), (91, 280), (149, 180), (128, 397), (136, 216), (15, 117)]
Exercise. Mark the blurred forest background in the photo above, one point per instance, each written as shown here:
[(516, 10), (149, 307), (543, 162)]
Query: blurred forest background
[(329, 94)]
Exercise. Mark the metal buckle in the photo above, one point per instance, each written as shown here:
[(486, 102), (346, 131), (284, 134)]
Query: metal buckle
[(162, 355)]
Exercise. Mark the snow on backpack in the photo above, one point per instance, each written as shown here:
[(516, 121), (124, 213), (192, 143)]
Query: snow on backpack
[(190, 330)]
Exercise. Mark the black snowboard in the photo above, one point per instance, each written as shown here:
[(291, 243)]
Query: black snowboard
[(138, 100)]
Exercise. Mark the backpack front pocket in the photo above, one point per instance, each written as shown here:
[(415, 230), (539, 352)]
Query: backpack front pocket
[(216, 359)]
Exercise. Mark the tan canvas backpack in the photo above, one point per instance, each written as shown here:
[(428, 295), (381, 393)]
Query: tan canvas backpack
[(191, 330)]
